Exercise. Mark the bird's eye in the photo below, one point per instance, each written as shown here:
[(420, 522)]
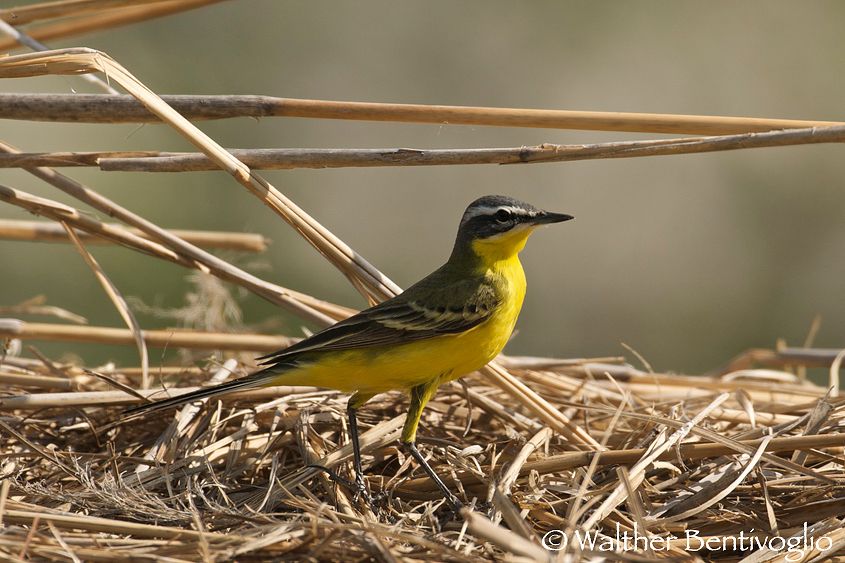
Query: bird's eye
[(503, 216)]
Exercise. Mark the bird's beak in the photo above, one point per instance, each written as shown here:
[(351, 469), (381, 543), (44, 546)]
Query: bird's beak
[(546, 217)]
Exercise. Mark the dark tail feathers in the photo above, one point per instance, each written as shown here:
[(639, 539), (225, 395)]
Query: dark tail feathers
[(248, 382)]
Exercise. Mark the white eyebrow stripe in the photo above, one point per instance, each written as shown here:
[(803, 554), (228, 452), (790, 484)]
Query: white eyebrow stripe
[(491, 210)]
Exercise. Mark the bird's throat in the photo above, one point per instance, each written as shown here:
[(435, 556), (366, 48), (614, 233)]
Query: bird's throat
[(502, 248)]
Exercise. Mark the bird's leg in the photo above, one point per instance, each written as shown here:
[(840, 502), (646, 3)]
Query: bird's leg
[(360, 486), (420, 395), (453, 501)]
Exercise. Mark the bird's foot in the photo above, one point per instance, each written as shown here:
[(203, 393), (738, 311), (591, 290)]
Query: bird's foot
[(484, 507), (358, 487), (333, 475), (454, 505), (449, 513)]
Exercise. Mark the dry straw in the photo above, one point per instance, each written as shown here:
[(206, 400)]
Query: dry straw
[(43, 231), (535, 445), (98, 108)]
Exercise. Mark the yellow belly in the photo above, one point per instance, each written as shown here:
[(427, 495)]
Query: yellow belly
[(379, 369)]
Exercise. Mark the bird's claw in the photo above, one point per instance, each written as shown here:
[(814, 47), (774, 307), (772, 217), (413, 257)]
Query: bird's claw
[(361, 490), (333, 475), (455, 506), (358, 487), (449, 512)]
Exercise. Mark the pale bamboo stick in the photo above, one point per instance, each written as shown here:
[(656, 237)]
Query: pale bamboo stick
[(629, 374), (40, 381), (174, 338), (94, 108), (21, 15), (284, 159), (106, 19), (42, 231)]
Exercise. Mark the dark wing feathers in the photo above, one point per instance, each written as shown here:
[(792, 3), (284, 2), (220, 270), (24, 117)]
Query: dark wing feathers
[(435, 306), (428, 309)]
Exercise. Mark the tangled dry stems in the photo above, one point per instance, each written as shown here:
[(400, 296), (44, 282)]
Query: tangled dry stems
[(228, 479)]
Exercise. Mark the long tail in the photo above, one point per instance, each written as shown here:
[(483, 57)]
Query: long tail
[(251, 381)]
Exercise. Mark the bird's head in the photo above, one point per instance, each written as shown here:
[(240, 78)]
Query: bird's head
[(496, 227)]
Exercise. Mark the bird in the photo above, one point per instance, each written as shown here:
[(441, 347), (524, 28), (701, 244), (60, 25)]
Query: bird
[(452, 322)]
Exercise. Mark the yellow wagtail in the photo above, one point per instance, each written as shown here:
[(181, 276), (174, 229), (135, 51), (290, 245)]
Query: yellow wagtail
[(450, 323)]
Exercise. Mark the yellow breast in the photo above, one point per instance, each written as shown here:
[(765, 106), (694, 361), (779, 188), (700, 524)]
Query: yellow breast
[(489, 338)]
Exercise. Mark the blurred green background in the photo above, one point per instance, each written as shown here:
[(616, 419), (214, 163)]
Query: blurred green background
[(688, 259)]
